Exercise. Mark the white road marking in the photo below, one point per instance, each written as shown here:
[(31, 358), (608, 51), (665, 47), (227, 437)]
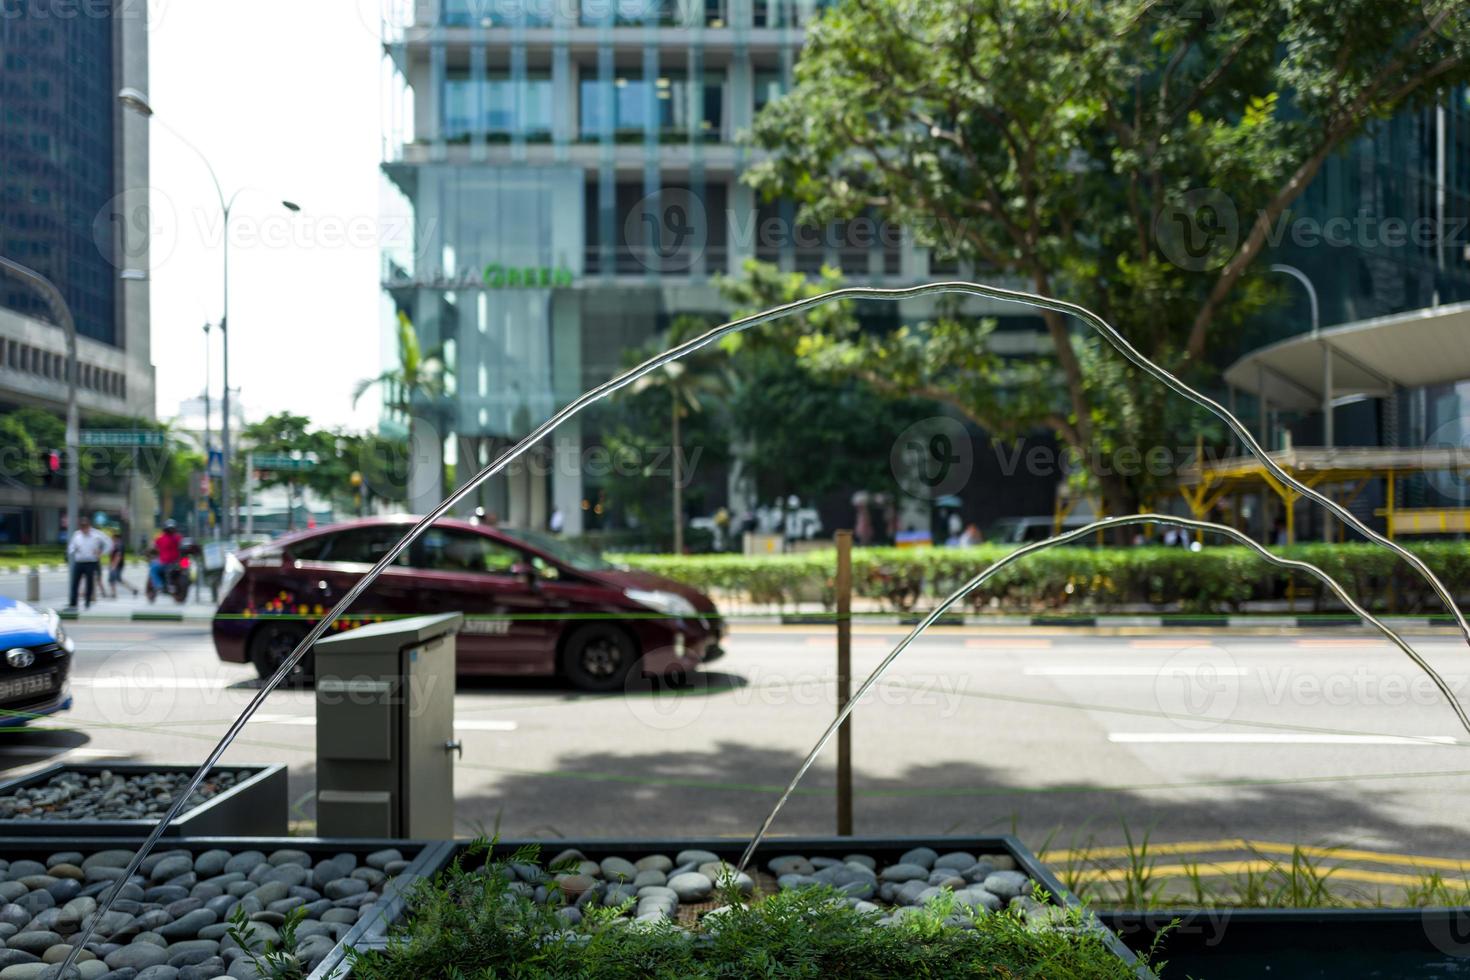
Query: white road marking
[(116, 682), (1104, 670), (59, 751), (1274, 738), (467, 725)]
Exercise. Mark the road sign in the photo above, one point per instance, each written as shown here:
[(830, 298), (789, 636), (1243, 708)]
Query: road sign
[(279, 461), (122, 438), (216, 465)]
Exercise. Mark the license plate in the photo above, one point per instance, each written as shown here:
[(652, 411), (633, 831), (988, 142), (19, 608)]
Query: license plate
[(28, 686)]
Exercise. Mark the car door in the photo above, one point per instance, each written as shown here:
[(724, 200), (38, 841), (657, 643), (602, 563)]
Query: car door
[(347, 557), (506, 629)]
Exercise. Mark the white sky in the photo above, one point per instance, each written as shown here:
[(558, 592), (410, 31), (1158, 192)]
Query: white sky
[(283, 97)]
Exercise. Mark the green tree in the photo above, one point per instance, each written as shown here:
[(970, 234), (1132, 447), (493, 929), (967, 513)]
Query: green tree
[(809, 425), (1098, 152), (416, 387), (686, 384)]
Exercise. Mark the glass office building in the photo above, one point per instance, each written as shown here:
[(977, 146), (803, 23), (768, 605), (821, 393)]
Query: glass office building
[(572, 175), (73, 207)]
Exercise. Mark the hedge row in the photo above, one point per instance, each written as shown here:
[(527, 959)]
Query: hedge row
[(1216, 579)]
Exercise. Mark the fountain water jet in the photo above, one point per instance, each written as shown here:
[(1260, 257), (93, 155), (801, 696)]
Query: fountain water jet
[(1061, 539), (623, 380)]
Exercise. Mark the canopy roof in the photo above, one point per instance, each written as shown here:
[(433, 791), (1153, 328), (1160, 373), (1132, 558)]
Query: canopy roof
[(1369, 357)]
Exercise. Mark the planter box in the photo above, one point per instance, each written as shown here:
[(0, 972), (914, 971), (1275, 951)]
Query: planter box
[(421, 857), (1303, 944), (255, 807), (886, 850)]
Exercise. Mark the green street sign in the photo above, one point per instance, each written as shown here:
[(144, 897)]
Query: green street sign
[(278, 461), (122, 438)]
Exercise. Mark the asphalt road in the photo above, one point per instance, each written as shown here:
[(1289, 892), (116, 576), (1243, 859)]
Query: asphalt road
[(1329, 738)]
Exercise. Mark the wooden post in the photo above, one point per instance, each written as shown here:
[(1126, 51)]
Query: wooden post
[(844, 681)]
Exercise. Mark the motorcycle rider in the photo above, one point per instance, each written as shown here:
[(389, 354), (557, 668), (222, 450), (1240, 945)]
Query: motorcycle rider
[(167, 549)]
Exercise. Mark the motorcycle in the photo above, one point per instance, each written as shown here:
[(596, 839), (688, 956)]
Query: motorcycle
[(175, 581)]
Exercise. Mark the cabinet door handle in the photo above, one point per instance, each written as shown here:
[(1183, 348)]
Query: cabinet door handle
[(456, 746)]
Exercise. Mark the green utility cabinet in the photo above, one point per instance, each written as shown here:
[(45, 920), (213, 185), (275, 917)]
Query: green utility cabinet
[(385, 730)]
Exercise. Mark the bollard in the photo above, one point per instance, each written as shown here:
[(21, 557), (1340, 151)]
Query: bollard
[(33, 584), (385, 729)]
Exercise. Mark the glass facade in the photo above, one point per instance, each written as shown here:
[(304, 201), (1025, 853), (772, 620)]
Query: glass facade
[(57, 99), (1377, 231), (496, 107)]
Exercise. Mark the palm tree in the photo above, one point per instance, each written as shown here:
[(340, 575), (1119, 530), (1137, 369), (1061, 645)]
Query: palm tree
[(418, 380), (688, 381)]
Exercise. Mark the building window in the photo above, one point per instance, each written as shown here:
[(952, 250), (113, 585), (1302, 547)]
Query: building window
[(769, 86), (631, 98), (508, 107)]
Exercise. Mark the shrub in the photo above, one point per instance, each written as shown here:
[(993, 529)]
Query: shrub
[(1217, 579), (472, 924)]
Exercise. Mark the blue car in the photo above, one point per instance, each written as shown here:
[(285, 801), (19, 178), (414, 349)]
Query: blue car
[(35, 659)]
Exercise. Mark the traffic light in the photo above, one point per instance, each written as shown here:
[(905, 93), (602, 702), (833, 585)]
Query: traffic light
[(52, 463)]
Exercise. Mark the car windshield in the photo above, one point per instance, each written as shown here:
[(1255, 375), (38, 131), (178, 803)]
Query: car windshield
[(563, 551)]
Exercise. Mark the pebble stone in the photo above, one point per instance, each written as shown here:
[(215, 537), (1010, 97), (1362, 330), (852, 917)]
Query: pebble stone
[(653, 887), (168, 922), (108, 795)]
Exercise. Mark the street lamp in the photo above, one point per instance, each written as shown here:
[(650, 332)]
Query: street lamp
[(62, 313), (132, 98)]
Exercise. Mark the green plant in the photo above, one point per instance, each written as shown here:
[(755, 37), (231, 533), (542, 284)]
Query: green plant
[(1217, 579), (273, 959), (479, 922)]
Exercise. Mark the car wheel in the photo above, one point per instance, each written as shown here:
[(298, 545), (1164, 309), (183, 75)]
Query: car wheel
[(272, 643), (598, 657)]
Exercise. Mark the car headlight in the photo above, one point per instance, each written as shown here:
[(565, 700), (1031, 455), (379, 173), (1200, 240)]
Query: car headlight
[(53, 622), (233, 572), (665, 602)]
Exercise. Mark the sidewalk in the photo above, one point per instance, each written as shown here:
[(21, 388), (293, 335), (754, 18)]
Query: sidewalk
[(137, 608)]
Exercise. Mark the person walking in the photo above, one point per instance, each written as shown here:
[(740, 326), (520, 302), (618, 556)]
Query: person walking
[(85, 551), (117, 558)]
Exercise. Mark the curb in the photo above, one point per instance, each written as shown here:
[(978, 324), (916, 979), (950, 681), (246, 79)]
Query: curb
[(1104, 622)]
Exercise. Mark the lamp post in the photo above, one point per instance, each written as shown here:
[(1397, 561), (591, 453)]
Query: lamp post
[(208, 442), (138, 102), (62, 313), (1329, 433)]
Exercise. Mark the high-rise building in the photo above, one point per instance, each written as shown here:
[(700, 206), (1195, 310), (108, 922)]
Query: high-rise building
[(572, 174), (73, 207), (1372, 349)]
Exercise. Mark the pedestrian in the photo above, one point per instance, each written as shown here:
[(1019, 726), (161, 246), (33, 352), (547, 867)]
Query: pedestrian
[(557, 521), (85, 551), (116, 559)]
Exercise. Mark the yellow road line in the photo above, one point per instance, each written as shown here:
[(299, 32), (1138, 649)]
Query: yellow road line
[(1222, 868), (1177, 848)]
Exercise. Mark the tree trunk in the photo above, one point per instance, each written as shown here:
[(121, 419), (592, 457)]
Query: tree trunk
[(425, 465), (676, 468), (1117, 497)]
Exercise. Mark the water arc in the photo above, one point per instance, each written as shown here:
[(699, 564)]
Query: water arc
[(1061, 539), (1109, 333)]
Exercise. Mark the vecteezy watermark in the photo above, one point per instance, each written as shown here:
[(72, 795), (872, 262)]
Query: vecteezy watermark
[(932, 458), (145, 224), (138, 227), (387, 467), (673, 228), (1199, 231), (678, 699), (1198, 687), (1449, 18), (66, 10), (668, 230), (1202, 230), (1448, 929), (1452, 437)]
